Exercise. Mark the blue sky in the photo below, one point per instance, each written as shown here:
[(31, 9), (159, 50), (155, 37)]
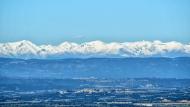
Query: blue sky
[(55, 21)]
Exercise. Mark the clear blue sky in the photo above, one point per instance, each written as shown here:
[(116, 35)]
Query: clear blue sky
[(55, 21)]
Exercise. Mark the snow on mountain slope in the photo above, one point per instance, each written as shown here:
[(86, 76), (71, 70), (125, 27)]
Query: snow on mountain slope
[(26, 49)]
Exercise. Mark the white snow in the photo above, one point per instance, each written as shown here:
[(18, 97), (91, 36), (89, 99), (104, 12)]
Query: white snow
[(27, 49)]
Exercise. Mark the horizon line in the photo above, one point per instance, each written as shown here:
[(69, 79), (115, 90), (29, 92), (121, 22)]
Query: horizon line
[(97, 40)]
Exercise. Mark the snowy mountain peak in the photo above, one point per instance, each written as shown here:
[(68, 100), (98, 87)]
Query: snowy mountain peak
[(67, 44), (21, 43), (27, 49)]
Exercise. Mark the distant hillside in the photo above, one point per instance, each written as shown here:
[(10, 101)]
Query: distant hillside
[(96, 67)]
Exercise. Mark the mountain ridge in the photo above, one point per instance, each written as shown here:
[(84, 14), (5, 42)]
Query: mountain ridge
[(26, 50)]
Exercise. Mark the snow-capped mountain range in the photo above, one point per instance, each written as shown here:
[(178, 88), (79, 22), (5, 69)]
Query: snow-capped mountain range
[(25, 49)]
